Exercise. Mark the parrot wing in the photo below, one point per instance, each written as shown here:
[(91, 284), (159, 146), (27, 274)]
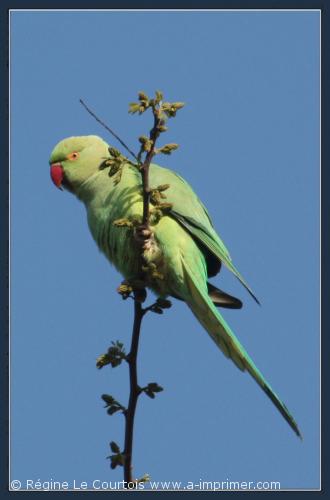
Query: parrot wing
[(190, 212)]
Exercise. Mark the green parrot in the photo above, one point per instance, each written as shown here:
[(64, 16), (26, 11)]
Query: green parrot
[(183, 245)]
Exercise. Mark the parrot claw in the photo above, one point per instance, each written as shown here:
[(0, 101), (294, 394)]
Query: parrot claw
[(142, 234)]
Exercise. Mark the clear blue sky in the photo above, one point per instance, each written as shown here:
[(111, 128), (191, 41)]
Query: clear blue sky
[(249, 145)]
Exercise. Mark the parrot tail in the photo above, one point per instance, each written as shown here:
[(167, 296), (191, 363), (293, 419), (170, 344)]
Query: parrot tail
[(203, 308)]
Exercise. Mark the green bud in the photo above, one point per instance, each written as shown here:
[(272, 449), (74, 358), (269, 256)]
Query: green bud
[(162, 128), (109, 400), (147, 146), (151, 389), (122, 223), (104, 164), (154, 387), (114, 152), (159, 96), (164, 303), (177, 105), (149, 393), (163, 117), (168, 148), (114, 447), (157, 310), (155, 216), (155, 197), (163, 187), (102, 360), (133, 107), (116, 353), (170, 109), (165, 207), (124, 288), (116, 460), (113, 409), (143, 96), (114, 169), (144, 479), (158, 276)]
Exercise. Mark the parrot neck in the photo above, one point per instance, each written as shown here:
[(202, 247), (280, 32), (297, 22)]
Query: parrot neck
[(95, 187)]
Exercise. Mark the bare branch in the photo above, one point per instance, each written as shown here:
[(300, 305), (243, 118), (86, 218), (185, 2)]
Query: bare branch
[(134, 391)]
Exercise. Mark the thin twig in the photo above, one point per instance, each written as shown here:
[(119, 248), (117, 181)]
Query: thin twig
[(109, 130)]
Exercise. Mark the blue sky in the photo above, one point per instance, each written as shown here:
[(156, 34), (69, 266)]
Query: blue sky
[(249, 146)]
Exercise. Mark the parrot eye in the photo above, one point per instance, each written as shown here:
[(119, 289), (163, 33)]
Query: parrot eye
[(73, 156)]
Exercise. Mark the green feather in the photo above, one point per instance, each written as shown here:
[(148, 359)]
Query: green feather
[(189, 211)]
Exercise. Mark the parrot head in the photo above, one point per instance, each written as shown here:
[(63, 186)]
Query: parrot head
[(76, 159)]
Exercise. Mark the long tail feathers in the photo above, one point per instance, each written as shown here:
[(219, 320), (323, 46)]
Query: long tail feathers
[(206, 313)]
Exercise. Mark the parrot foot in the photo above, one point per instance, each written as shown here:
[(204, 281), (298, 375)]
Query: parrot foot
[(142, 234)]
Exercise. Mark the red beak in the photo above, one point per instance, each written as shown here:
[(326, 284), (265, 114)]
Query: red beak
[(56, 173)]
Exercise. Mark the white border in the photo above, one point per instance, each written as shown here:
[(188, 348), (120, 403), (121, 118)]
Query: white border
[(9, 215)]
